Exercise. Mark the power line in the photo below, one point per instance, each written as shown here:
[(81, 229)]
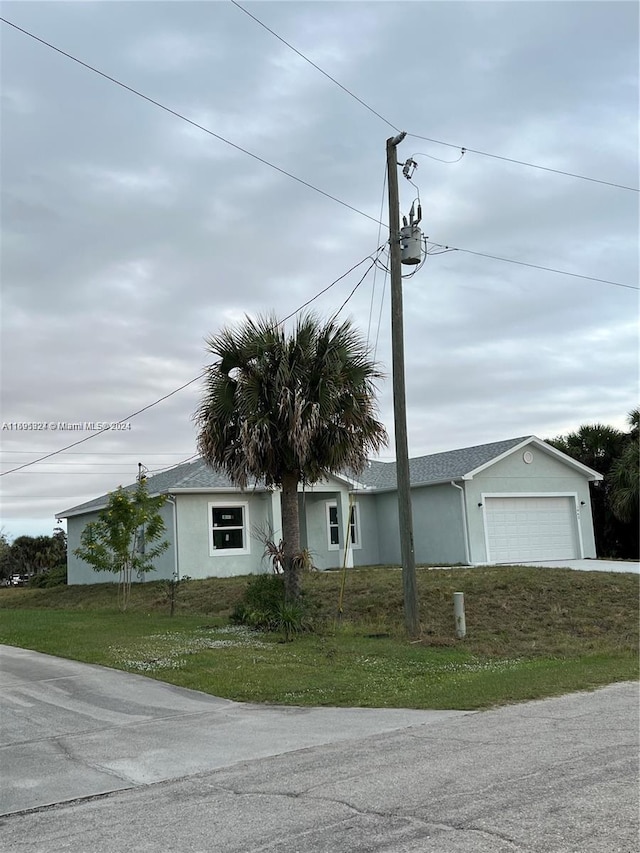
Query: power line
[(525, 163), (317, 67), (185, 385), (461, 148), (277, 168), (188, 120), (101, 431), (534, 266)]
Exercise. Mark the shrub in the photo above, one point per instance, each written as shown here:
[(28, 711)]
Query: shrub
[(263, 607), (54, 577)]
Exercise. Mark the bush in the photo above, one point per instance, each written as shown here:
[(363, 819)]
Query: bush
[(54, 577), (263, 607)]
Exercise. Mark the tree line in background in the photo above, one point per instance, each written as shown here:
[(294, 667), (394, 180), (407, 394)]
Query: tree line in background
[(36, 557), (614, 501)]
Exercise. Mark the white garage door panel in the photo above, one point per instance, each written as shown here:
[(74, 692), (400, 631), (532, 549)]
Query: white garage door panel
[(531, 528)]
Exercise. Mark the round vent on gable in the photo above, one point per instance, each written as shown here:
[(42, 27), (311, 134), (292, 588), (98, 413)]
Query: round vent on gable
[(528, 457)]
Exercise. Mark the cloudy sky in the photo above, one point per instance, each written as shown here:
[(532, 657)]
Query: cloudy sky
[(130, 235)]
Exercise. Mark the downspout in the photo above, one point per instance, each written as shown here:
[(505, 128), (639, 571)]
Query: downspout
[(465, 524), (176, 571)]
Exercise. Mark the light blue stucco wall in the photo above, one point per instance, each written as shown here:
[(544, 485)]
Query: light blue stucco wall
[(79, 572), (544, 475), (368, 554), (438, 531), (314, 533), (194, 554)]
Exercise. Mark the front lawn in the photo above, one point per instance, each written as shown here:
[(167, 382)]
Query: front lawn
[(530, 633)]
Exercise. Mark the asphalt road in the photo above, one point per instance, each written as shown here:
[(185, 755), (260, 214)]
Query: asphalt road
[(93, 760)]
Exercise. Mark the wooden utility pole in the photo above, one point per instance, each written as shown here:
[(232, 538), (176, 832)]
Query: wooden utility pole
[(411, 610)]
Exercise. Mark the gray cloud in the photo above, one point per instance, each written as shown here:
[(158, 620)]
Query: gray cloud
[(129, 236)]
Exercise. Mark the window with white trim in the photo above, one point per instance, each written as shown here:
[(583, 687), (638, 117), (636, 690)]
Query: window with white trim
[(333, 527), (228, 526)]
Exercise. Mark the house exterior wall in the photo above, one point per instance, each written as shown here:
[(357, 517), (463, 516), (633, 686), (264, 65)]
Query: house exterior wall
[(79, 572), (438, 529), (314, 533), (368, 554), (512, 475), (194, 535)]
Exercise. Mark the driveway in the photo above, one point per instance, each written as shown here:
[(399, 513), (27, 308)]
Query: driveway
[(69, 730), (588, 565), (153, 768)]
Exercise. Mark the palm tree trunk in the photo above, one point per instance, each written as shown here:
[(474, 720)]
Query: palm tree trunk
[(290, 535)]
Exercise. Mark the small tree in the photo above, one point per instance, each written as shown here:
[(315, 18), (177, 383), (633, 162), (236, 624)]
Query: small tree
[(122, 538)]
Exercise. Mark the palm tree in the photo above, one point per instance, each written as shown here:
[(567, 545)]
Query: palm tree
[(289, 410), (625, 475)]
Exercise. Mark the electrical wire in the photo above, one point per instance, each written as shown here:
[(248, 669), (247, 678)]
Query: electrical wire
[(289, 174), (427, 138), (439, 159), (384, 289), (373, 289), (188, 120), (534, 266), (525, 163), (185, 385), (317, 67), (106, 429), (367, 271)]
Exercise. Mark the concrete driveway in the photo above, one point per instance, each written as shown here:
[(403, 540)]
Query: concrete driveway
[(588, 565), (153, 768)]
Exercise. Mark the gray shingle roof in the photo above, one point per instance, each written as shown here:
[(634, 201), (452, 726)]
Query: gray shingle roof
[(436, 468), (189, 475)]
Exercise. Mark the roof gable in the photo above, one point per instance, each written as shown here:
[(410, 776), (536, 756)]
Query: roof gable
[(462, 464)]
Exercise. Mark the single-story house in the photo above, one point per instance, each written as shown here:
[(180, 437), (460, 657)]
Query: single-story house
[(514, 500)]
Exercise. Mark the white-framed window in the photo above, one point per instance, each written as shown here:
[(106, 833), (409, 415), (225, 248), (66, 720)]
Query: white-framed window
[(228, 528), (333, 528)]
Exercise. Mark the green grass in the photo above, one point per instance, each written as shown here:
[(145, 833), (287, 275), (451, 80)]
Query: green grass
[(530, 633)]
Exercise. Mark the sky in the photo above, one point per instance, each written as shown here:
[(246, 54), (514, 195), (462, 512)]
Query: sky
[(129, 236)]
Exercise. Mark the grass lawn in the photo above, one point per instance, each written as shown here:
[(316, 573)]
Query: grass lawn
[(530, 633)]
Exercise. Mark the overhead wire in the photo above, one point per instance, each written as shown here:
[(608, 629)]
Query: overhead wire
[(533, 266), (188, 120), (366, 273), (461, 148), (271, 165), (299, 180), (373, 287), (201, 375)]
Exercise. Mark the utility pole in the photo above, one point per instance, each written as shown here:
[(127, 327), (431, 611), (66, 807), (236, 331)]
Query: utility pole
[(409, 587)]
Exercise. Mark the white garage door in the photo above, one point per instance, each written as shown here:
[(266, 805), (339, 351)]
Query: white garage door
[(531, 528)]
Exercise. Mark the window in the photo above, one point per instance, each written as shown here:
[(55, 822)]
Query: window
[(228, 524), (333, 528)]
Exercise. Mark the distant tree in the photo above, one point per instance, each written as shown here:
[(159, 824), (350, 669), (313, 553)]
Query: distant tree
[(289, 409), (5, 555), (122, 538), (602, 448), (625, 475)]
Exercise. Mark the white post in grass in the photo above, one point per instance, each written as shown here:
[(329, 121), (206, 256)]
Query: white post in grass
[(458, 612)]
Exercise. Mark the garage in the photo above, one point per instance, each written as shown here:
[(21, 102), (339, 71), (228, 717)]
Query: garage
[(539, 527)]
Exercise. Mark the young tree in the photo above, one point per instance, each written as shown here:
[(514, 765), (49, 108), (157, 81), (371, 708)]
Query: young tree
[(289, 410), (122, 538)]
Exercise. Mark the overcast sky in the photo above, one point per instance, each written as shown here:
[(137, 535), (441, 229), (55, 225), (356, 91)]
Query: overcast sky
[(129, 236)]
